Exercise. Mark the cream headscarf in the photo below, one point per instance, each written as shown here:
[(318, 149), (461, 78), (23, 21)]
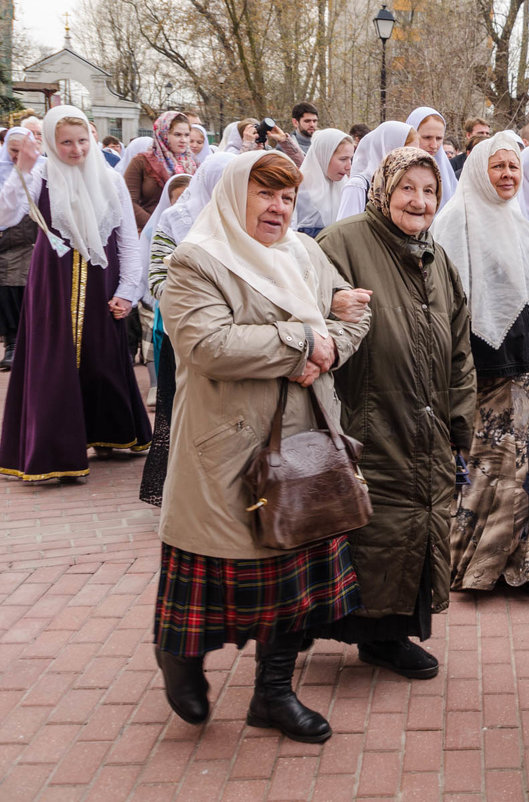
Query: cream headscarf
[(319, 197), (487, 238), (84, 201), (283, 272)]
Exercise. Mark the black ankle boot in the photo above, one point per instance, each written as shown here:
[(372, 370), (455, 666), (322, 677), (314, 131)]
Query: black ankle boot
[(186, 686), (7, 361), (401, 656), (274, 703)]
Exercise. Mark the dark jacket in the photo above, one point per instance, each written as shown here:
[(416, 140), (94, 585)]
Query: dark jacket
[(407, 393), (511, 358)]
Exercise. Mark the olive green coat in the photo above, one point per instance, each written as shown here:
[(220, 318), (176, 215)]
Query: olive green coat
[(407, 393)]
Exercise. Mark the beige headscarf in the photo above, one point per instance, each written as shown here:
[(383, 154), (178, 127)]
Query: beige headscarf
[(282, 272), (390, 171)]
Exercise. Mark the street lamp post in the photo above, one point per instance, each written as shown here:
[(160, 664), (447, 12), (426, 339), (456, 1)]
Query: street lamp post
[(384, 22), (168, 92), (221, 81)]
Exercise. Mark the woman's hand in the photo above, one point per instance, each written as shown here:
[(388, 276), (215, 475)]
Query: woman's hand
[(27, 155), (309, 375), (350, 305), (249, 134), (324, 353), (277, 134), (119, 307)]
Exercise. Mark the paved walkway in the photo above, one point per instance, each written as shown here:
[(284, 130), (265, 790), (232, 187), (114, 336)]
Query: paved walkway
[(82, 711)]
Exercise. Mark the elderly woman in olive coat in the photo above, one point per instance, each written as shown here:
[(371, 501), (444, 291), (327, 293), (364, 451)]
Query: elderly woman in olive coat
[(409, 397)]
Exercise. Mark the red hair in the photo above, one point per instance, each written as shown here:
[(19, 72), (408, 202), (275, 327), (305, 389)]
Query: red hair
[(276, 172)]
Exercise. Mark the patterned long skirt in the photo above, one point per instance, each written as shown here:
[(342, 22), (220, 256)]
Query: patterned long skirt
[(205, 602), (489, 535)]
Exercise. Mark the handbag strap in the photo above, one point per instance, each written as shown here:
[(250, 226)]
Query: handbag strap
[(322, 419)]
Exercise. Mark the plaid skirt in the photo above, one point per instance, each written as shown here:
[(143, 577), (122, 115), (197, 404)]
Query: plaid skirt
[(205, 602)]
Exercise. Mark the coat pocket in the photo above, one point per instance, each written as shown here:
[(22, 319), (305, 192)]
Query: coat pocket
[(224, 451)]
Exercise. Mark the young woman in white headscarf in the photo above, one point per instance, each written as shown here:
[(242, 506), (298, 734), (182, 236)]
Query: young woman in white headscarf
[(325, 169), (199, 143), (16, 247), (72, 384), (247, 302), (370, 151), (484, 232), (172, 226), (431, 127)]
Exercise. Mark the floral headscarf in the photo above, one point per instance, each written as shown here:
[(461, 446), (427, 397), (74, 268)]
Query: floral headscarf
[(390, 171), (161, 158)]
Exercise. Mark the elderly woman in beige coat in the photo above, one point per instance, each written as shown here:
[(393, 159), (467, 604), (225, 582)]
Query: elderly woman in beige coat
[(247, 302)]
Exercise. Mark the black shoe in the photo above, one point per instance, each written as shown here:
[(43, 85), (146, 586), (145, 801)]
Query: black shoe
[(274, 703), (9, 353), (401, 656), (186, 686)]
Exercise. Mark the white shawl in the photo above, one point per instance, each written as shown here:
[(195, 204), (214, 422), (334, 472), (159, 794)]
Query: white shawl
[(487, 238), (319, 197)]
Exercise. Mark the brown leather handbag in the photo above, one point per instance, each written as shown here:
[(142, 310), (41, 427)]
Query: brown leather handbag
[(307, 487)]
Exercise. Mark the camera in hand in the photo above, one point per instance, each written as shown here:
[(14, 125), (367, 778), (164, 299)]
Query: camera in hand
[(263, 128)]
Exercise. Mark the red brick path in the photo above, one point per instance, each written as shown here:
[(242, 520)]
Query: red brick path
[(83, 716)]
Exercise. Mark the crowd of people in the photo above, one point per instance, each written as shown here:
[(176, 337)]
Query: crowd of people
[(384, 272)]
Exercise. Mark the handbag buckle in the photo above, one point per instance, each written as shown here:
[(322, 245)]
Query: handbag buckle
[(261, 503)]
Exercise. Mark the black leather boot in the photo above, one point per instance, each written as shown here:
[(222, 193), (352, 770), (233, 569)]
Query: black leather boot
[(274, 703), (7, 361), (186, 686), (401, 656)]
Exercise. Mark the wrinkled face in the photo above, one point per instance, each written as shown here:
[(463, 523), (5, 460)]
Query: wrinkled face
[(196, 141), (307, 124), (449, 149), (72, 143), (178, 138), (13, 147), (413, 204), (431, 134), (36, 130), (340, 163), (268, 212), (505, 173)]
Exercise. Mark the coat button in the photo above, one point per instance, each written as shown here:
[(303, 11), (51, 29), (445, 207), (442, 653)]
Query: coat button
[(340, 331), (425, 307), (301, 344), (289, 338)]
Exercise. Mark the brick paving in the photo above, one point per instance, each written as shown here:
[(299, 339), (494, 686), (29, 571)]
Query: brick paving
[(83, 716)]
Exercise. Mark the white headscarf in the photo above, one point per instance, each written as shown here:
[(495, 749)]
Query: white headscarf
[(283, 272), (206, 150), (84, 200), (319, 197), (371, 149), (234, 141), (139, 145), (6, 162), (448, 177), (226, 135), (523, 192), (487, 238), (176, 221)]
